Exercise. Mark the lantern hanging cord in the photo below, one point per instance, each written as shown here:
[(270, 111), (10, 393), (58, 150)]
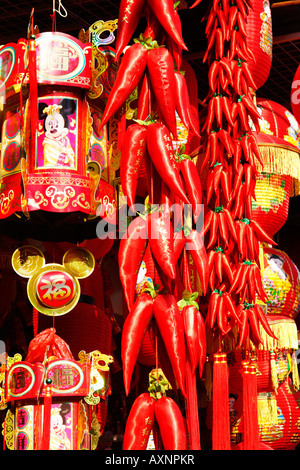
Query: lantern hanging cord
[(61, 11)]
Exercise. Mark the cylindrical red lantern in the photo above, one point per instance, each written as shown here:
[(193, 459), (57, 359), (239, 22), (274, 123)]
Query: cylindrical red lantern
[(278, 178), (281, 281), (260, 40)]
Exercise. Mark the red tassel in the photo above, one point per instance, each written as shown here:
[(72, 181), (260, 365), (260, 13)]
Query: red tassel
[(192, 408), (35, 321), (47, 418), (33, 94), (250, 415), (220, 399)]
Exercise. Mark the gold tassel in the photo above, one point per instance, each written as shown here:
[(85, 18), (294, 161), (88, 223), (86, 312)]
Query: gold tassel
[(295, 372), (267, 410), (283, 161), (274, 375)]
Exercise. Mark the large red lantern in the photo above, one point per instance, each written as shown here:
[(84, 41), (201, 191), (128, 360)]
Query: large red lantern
[(278, 178)]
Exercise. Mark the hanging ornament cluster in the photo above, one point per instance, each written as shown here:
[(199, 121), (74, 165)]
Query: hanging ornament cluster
[(231, 152), (165, 309)]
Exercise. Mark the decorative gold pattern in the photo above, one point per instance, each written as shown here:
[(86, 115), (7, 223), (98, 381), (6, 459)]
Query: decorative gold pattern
[(27, 260), (79, 262)]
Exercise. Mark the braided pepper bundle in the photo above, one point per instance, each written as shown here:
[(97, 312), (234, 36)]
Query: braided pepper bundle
[(230, 154)]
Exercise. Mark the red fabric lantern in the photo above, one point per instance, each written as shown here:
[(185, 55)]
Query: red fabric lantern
[(288, 418), (260, 40), (270, 209), (278, 178), (295, 94), (281, 281)]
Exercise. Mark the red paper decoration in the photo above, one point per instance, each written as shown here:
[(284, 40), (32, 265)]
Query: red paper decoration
[(260, 40)]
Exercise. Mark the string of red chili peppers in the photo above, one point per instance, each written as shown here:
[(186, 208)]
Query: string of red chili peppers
[(230, 153)]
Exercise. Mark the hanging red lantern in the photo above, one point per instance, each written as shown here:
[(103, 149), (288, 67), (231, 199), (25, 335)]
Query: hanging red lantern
[(288, 419), (278, 178), (281, 281), (260, 40)]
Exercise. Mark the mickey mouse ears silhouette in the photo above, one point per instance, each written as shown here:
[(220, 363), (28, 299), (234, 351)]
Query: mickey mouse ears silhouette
[(53, 289)]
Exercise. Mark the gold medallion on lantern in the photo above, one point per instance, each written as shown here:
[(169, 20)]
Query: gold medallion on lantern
[(79, 262), (53, 289)]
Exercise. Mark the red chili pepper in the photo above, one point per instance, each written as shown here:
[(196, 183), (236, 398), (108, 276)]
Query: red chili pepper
[(133, 333), (210, 22), (242, 7), (226, 107), (211, 41), (243, 115), (213, 152), (202, 343), (226, 141), (171, 425), (195, 245), (144, 99), (212, 310), (132, 155), (258, 284), (197, 2), (244, 328), (254, 327), (223, 81), (131, 251), (139, 423), (240, 278), (213, 180), (254, 147), (263, 320), (219, 44), (184, 268), (252, 243), (165, 13), (249, 104), (130, 13), (170, 325), (189, 315), (244, 51), (230, 223), (241, 232), (160, 66), (226, 66), (248, 75), (153, 28), (232, 17), (241, 21), (223, 228), (182, 102), (237, 77), (221, 316), (161, 240), (233, 45), (260, 233), (213, 75), (174, 48), (160, 148), (179, 243), (223, 24), (129, 75), (237, 155), (213, 230), (193, 185), (231, 308)]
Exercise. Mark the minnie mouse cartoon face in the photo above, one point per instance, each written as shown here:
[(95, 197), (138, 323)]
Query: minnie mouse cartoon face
[(57, 148)]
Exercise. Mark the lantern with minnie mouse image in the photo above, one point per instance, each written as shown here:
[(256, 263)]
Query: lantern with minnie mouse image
[(48, 158)]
